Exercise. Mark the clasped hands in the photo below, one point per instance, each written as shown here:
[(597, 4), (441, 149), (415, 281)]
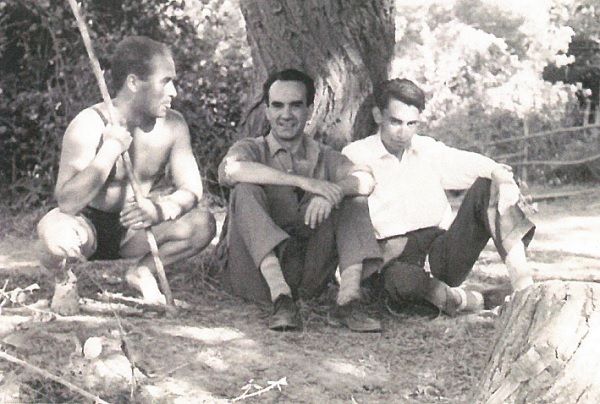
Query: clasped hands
[(326, 197), (138, 215)]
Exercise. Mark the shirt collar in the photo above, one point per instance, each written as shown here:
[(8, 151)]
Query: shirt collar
[(380, 151), (378, 147), (309, 148)]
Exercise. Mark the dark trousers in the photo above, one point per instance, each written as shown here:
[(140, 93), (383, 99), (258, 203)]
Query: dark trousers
[(453, 253), (266, 218)]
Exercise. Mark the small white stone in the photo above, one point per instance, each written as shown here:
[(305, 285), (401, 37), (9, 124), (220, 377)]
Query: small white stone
[(92, 348)]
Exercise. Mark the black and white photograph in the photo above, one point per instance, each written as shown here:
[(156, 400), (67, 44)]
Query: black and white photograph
[(300, 201)]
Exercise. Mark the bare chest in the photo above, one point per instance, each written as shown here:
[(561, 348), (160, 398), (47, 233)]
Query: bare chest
[(149, 154)]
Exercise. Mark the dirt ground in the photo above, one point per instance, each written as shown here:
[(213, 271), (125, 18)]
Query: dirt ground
[(219, 347)]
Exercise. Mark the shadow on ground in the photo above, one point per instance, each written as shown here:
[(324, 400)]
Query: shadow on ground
[(220, 347)]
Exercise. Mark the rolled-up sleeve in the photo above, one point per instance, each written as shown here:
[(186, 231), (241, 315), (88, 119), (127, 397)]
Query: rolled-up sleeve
[(459, 169), (242, 150), (340, 166)]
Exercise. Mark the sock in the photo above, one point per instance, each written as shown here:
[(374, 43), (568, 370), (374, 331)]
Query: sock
[(469, 299), (444, 297), (519, 272), (271, 271), (349, 284), (462, 297)]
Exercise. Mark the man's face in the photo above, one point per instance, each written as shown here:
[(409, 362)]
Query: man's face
[(157, 91), (287, 111), (397, 125)]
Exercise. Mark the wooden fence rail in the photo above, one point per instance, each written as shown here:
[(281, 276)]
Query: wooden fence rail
[(593, 160), (537, 134)]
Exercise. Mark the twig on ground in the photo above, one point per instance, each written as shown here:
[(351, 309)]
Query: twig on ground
[(124, 347), (260, 390), (23, 309), (175, 369), (52, 377)]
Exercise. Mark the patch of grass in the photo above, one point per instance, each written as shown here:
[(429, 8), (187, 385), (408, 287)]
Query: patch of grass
[(20, 224)]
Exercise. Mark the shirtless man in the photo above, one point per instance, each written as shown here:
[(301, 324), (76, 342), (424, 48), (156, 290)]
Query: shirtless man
[(97, 217)]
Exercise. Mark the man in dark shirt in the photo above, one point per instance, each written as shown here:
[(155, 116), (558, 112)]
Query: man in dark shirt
[(297, 210)]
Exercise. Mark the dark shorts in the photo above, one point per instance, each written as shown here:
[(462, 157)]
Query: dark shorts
[(109, 233)]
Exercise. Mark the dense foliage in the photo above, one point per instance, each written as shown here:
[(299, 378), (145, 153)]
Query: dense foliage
[(482, 65), (45, 78)]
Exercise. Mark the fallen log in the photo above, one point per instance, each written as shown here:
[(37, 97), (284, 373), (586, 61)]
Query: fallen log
[(546, 349)]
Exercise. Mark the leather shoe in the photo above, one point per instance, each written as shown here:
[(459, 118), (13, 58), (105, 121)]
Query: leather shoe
[(285, 315), (351, 317)]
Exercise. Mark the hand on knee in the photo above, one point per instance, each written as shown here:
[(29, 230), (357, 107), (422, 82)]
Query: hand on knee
[(62, 235)]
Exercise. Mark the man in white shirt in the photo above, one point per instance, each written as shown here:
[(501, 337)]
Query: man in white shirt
[(411, 214)]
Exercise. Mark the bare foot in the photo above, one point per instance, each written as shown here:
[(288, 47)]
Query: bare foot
[(142, 280)]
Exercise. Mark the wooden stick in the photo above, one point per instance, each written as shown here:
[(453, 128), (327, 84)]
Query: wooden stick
[(137, 191), (50, 376)]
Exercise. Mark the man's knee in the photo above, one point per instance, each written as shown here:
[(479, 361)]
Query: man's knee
[(244, 189), (482, 183), (353, 208), (403, 281), (198, 226), (243, 192), (61, 236), (360, 202)]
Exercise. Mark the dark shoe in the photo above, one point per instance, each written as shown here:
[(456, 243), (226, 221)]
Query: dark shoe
[(410, 307), (350, 316), (285, 315), (495, 297)]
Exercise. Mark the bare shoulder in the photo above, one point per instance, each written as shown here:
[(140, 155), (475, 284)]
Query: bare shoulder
[(86, 127), (89, 116), (176, 124)]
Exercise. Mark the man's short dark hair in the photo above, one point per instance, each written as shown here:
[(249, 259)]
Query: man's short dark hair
[(402, 90), (290, 75), (135, 54)]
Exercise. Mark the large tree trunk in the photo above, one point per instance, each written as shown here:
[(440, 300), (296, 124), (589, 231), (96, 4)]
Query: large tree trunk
[(548, 349), (346, 46)]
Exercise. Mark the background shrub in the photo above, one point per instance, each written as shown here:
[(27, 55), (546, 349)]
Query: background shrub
[(45, 79)]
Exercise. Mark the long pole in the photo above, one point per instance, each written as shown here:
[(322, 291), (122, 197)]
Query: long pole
[(137, 191)]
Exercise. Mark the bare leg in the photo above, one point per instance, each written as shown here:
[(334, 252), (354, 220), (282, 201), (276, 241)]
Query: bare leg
[(519, 270), (177, 240), (63, 237)]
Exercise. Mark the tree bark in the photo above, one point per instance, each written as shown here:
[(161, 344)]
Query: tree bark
[(548, 347), (346, 46)]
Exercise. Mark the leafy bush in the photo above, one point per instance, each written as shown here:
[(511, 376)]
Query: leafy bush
[(45, 78), (481, 66)]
